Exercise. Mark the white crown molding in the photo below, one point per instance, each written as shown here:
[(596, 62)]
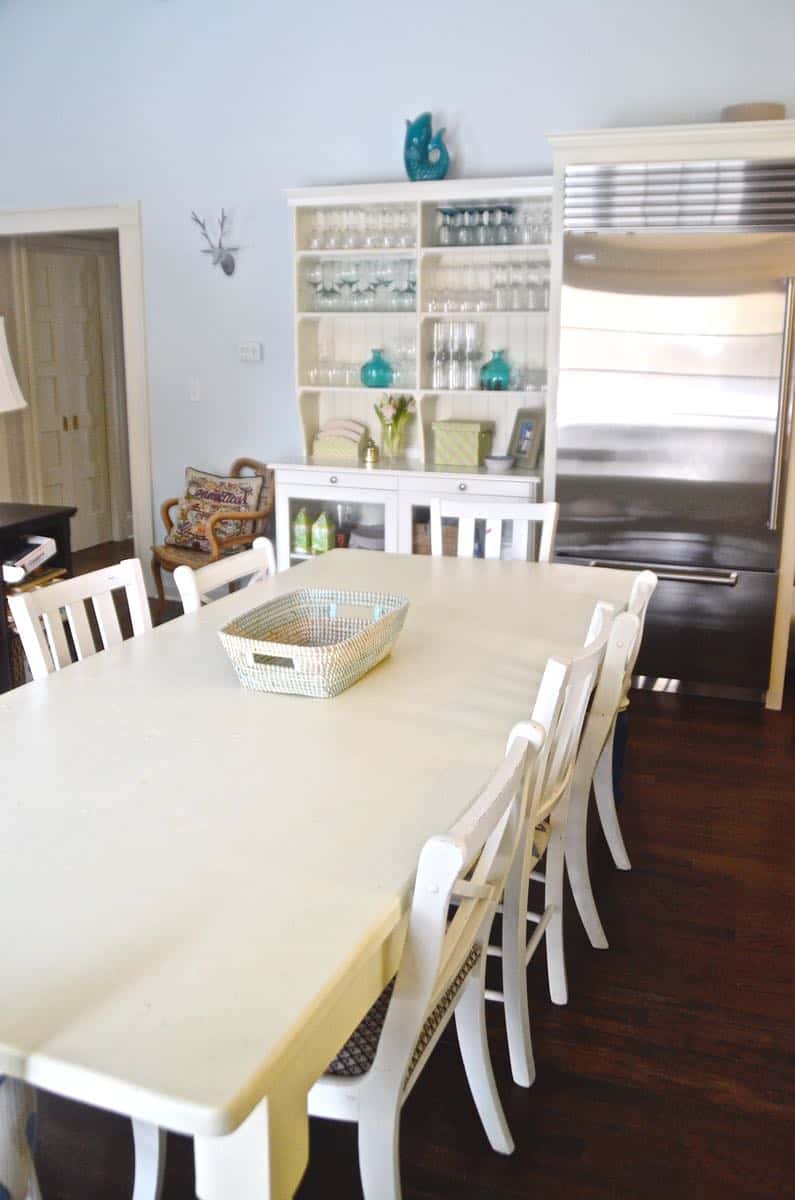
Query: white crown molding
[(727, 139)]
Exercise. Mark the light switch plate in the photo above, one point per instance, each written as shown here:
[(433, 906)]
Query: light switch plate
[(250, 351)]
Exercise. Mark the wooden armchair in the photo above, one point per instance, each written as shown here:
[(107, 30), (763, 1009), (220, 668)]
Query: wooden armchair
[(168, 558)]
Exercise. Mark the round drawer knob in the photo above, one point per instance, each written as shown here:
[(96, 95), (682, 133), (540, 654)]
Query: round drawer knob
[(462, 487), (333, 479)]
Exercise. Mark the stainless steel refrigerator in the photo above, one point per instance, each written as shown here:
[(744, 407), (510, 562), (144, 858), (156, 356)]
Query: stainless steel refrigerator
[(674, 401)]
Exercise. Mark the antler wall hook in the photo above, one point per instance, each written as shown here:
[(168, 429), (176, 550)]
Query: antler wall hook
[(222, 256)]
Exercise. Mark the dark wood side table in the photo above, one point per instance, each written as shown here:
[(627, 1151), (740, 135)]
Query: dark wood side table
[(19, 520)]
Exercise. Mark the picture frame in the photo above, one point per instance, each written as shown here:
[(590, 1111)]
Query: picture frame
[(527, 437)]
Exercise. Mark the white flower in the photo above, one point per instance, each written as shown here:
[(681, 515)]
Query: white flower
[(388, 411)]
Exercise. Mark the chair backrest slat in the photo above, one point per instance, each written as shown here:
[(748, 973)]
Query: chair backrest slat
[(638, 604), (80, 629), (59, 655), (534, 525), (607, 695), (40, 623), (195, 585), (107, 619), (560, 710)]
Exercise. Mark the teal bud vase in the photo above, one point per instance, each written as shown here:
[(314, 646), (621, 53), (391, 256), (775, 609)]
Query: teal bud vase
[(376, 372), (495, 375)]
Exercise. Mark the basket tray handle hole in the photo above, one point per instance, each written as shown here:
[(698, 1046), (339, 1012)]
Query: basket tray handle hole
[(341, 611), (273, 660)]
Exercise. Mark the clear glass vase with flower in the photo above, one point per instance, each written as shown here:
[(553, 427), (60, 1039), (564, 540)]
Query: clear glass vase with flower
[(394, 413)]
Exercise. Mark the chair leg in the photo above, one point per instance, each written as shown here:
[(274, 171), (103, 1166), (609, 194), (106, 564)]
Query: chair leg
[(620, 739), (576, 852), (553, 898), (379, 1150), (606, 806), (150, 1160), (514, 972), (17, 1138), (470, 1024), (157, 573)]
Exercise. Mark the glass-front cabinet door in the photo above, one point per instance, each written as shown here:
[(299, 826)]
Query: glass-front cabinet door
[(356, 518)]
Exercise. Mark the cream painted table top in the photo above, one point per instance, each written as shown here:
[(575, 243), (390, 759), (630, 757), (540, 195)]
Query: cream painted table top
[(203, 878)]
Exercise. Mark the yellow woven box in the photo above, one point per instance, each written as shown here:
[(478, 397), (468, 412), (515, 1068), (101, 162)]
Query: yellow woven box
[(461, 443)]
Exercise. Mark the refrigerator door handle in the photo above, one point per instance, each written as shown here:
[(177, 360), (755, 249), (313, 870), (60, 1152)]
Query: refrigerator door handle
[(673, 575), (785, 381)]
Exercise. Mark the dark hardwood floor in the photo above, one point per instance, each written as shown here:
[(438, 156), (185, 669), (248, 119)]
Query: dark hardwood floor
[(105, 554), (670, 1072)]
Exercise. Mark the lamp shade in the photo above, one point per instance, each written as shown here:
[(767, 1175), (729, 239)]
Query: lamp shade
[(11, 397)]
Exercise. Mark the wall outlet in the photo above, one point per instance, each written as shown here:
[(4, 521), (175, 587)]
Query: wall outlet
[(250, 351), (194, 391)]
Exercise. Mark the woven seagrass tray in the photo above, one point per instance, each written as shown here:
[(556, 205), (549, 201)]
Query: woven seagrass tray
[(313, 641)]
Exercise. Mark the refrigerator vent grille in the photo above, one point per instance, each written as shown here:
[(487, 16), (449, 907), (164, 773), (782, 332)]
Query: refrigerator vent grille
[(728, 194)]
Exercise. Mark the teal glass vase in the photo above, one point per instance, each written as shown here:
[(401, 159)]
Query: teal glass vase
[(495, 375), (376, 372)]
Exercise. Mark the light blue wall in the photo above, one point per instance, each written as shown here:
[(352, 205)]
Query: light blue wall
[(195, 104)]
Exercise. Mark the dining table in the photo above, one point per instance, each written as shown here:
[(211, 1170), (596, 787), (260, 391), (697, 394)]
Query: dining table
[(203, 886)]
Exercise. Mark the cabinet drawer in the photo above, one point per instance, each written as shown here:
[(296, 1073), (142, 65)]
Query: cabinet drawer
[(337, 477), (521, 488)]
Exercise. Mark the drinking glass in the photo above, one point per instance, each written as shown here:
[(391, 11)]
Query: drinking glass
[(502, 287), (313, 274), (462, 224), (352, 228), (484, 295), (333, 230), (445, 234), (473, 336), (520, 298), (504, 223), (486, 233), (371, 232), (317, 231), (406, 232), (440, 355)]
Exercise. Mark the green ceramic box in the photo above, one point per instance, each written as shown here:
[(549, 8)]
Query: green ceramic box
[(461, 443)]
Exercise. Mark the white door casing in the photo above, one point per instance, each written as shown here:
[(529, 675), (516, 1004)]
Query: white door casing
[(125, 220)]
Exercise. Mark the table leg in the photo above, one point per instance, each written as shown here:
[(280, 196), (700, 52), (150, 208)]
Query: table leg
[(17, 1137), (264, 1159)]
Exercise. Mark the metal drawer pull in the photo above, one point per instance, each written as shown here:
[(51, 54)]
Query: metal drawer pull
[(462, 487), (333, 479), (675, 575)]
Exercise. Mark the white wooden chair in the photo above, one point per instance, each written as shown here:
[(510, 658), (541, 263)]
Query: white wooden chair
[(40, 625), (441, 972), (595, 757), (39, 617), (560, 708), (524, 518), (195, 584)]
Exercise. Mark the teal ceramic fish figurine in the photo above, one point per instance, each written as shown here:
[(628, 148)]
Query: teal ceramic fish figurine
[(425, 156)]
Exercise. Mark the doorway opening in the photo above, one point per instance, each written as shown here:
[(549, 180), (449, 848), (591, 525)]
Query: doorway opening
[(61, 296)]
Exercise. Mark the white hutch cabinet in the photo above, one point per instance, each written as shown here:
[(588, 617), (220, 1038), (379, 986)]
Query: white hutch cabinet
[(370, 272)]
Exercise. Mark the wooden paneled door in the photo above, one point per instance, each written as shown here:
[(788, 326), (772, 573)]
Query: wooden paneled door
[(69, 385)]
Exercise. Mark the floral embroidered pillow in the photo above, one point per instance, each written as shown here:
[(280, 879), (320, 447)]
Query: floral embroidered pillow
[(206, 495)]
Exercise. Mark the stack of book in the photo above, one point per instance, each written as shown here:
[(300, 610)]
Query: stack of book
[(25, 556), (340, 439)]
